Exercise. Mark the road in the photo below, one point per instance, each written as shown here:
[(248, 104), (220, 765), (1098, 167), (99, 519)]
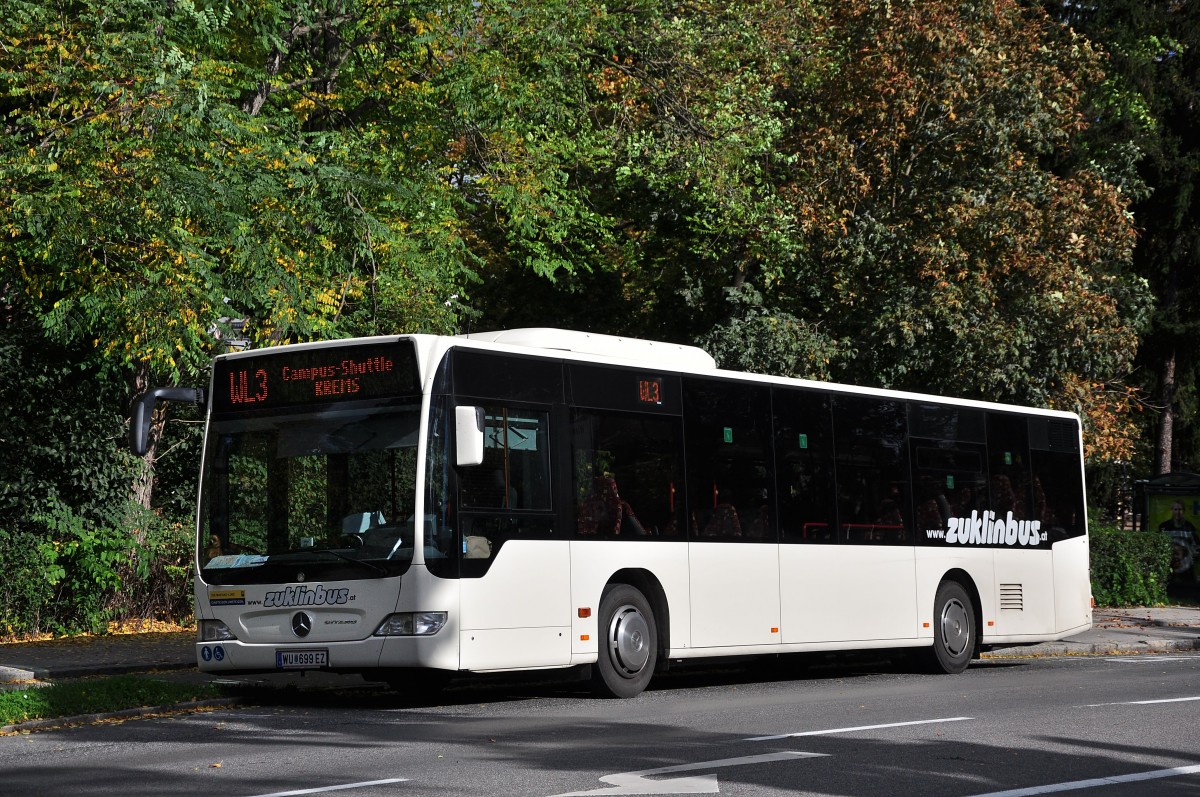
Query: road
[(1110, 726)]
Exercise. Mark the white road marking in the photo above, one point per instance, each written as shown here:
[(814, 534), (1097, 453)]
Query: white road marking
[(1144, 702), (851, 730), (1163, 700), (344, 786), (635, 782), (1094, 782), (1143, 659)]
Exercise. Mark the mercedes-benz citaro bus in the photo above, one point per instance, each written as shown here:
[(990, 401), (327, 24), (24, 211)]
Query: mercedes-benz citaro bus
[(414, 506)]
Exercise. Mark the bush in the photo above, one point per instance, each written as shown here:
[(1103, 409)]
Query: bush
[(1129, 568), (87, 573), (159, 574), (65, 574), (25, 592)]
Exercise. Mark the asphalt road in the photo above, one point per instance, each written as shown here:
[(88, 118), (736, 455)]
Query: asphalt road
[(1120, 725)]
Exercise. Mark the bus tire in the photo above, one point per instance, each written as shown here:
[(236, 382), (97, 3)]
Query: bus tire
[(954, 629), (628, 643)]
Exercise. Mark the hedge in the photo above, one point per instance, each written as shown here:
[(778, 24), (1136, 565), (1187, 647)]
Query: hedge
[(1129, 568)]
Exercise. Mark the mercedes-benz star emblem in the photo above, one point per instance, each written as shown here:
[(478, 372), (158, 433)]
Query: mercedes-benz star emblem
[(301, 624)]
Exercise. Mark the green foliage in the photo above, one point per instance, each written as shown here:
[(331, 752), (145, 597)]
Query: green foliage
[(98, 695), (26, 560), (166, 166), (67, 574), (87, 573), (156, 578), (1129, 568), (757, 340), (61, 428)]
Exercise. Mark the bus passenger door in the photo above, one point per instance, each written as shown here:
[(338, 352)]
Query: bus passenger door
[(733, 555), (515, 564), (847, 559)]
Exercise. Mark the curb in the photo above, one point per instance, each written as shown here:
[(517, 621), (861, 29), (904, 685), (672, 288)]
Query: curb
[(1052, 649), (129, 713), (11, 673)]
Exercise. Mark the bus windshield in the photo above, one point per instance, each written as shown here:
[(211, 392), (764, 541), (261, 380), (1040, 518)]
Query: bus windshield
[(331, 493)]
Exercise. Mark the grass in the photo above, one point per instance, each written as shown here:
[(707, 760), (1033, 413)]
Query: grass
[(96, 696)]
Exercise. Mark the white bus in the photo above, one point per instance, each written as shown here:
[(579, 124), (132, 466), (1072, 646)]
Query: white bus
[(414, 506)]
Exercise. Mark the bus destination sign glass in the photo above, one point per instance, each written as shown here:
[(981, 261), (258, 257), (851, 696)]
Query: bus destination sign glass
[(650, 390), (296, 378)]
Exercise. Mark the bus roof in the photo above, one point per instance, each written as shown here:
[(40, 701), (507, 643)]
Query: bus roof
[(662, 355)]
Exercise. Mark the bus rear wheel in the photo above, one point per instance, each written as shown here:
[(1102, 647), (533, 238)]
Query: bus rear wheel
[(954, 629), (629, 643)]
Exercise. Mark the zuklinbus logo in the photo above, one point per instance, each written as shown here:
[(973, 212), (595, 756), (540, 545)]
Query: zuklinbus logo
[(307, 596), (988, 529)]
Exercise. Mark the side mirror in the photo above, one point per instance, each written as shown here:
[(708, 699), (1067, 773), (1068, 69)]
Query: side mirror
[(468, 435), (143, 412)]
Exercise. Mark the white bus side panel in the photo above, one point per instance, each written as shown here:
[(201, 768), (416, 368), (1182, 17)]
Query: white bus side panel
[(519, 613), (1072, 587), (1024, 596), (594, 562), (735, 594), (843, 593)]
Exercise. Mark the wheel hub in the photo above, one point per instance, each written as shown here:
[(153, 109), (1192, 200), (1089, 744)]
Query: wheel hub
[(628, 641)]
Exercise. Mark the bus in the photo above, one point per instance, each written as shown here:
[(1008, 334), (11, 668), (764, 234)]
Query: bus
[(411, 507)]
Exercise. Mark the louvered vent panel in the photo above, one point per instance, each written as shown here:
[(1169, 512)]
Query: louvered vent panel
[(1012, 596)]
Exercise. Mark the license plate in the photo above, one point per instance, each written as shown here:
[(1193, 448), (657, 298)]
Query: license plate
[(301, 659)]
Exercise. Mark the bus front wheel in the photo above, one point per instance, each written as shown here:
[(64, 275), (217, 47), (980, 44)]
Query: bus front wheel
[(954, 631), (628, 645)]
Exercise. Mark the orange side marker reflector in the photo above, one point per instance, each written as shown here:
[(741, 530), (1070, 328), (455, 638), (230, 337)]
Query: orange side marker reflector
[(991, 623), (585, 611), (924, 625), (774, 630), (584, 637)]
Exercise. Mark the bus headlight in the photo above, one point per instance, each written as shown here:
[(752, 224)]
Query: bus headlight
[(411, 624), (215, 631)]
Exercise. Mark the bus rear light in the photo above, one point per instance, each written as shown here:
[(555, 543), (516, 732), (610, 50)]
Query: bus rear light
[(215, 631), (412, 624)]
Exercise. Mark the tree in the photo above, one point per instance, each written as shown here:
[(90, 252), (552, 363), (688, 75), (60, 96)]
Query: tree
[(167, 166), (894, 187), (1148, 108)]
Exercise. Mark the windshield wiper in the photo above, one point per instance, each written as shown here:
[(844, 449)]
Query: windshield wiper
[(344, 558)]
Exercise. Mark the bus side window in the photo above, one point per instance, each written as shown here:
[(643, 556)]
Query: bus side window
[(804, 466), (730, 488), (626, 474), (873, 482), (508, 495), (515, 473), (1058, 492)]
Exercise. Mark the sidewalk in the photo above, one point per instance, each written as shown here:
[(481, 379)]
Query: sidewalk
[(1114, 631), (1119, 631), (115, 654)]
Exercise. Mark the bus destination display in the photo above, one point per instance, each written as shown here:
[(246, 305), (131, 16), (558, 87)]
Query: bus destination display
[(313, 376)]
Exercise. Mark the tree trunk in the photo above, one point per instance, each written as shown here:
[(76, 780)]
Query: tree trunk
[(1166, 428), (143, 480)]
